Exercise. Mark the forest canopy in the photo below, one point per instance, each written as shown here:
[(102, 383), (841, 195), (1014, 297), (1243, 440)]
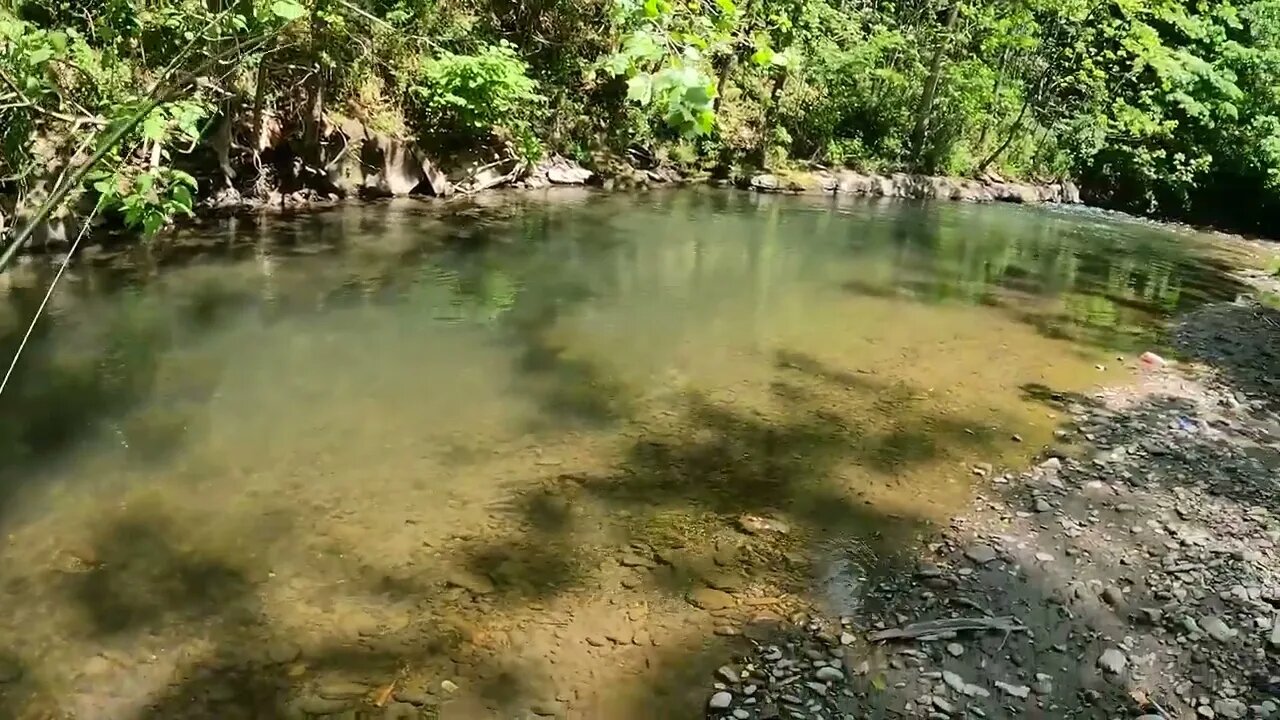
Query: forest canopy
[(1167, 108)]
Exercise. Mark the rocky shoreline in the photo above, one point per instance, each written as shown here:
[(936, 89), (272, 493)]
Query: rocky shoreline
[(1134, 572)]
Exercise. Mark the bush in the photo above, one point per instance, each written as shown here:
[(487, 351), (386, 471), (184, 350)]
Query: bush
[(465, 98)]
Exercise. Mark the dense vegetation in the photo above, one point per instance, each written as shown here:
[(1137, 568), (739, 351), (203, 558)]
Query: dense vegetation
[(1162, 107)]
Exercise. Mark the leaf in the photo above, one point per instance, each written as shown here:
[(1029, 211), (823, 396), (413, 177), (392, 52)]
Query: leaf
[(152, 222), (287, 10), (182, 198), (763, 56), (640, 89), (40, 55), (153, 127), (879, 683), (182, 178)]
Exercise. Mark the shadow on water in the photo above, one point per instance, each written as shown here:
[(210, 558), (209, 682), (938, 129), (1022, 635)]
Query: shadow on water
[(679, 485)]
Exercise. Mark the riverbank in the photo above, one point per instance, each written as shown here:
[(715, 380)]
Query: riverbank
[(1133, 572)]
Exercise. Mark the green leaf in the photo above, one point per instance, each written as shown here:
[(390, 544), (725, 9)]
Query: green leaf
[(287, 10), (153, 127), (763, 56), (152, 222), (640, 88), (182, 178), (40, 55), (182, 198)]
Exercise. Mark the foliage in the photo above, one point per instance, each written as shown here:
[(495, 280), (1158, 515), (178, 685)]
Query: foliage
[(474, 96), (1165, 107)]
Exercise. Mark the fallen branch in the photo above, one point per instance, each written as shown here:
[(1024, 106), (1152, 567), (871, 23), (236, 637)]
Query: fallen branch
[(931, 628)]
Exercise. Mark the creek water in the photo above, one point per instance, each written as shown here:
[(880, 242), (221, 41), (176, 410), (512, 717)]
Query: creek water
[(500, 444)]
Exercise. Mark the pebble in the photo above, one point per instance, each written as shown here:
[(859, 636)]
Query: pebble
[(341, 689), (1113, 661), (1022, 692), (720, 700), (955, 649), (1217, 629), (980, 554), (710, 599), (829, 674), (1230, 708)]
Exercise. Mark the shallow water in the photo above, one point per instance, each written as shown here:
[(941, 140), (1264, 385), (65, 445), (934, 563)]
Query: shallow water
[(411, 443)]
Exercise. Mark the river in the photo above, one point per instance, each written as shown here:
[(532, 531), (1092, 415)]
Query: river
[(499, 445)]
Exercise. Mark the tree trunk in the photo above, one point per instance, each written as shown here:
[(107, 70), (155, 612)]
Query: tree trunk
[(1008, 140), (313, 117), (995, 97), (771, 115), (931, 85), (722, 83)]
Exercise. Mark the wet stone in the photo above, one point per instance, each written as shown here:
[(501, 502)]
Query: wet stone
[(710, 599), (316, 705), (980, 554), (341, 689), (720, 701)]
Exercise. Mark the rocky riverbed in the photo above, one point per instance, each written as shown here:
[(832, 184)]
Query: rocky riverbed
[(1133, 572)]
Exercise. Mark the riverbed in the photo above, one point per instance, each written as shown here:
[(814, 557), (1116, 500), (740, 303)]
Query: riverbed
[(542, 455)]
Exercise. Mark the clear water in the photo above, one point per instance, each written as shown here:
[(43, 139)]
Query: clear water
[(307, 433)]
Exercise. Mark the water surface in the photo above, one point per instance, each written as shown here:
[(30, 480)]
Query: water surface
[(413, 443)]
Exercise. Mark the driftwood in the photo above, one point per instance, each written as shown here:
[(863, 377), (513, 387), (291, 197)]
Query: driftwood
[(931, 628)]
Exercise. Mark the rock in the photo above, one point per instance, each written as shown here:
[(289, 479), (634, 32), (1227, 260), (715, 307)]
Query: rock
[(955, 649), (400, 711), (1042, 505), (342, 690), (414, 697), (281, 652), (765, 183), (1217, 629), (561, 171), (449, 686), (1151, 359), (980, 554), (728, 674), (829, 674), (1113, 596), (547, 708), (316, 705), (710, 599), (634, 560), (469, 581), (720, 701), (1230, 708), (10, 670), (1022, 692), (756, 525), (1274, 638), (1113, 661)]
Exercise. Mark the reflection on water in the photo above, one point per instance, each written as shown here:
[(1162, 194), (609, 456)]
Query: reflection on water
[(496, 446)]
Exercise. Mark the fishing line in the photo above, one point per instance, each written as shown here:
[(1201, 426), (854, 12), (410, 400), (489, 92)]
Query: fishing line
[(65, 261)]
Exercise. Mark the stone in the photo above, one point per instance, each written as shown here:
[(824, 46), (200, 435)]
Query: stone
[(400, 711), (547, 708), (281, 652), (316, 705), (980, 554), (10, 670), (765, 183), (1113, 596), (710, 599), (720, 701), (1042, 505), (955, 649), (1022, 692), (727, 674), (469, 581), (634, 560), (341, 689), (1230, 708), (757, 525), (1113, 661), (829, 674), (449, 686), (1217, 629)]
